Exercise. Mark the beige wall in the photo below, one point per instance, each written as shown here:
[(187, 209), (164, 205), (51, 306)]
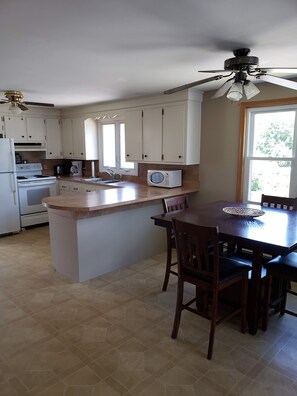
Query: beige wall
[(219, 142)]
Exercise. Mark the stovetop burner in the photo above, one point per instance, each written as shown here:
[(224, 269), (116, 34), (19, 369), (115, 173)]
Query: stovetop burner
[(31, 172)]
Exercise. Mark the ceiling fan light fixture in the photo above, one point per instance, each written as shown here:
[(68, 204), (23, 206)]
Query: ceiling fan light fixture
[(235, 92), (250, 90), (14, 109)]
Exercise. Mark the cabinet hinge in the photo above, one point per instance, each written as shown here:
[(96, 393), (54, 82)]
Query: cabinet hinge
[(162, 111), (162, 157), (142, 113)]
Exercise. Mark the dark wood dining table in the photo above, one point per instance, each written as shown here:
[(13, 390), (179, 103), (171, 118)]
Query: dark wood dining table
[(273, 233)]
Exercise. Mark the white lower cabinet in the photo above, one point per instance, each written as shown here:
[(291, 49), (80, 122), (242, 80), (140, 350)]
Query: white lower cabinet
[(66, 187), (165, 134)]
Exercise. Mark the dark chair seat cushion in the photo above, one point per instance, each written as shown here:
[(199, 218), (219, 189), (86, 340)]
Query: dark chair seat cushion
[(229, 268), (284, 266)]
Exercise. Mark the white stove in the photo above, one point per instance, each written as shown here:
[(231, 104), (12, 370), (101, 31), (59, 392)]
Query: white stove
[(31, 172), (32, 188)]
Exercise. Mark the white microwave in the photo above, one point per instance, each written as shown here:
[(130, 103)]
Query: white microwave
[(164, 178)]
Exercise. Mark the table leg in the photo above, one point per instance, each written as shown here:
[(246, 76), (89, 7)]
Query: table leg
[(254, 292)]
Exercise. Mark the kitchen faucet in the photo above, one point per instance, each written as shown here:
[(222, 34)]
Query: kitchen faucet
[(110, 172)]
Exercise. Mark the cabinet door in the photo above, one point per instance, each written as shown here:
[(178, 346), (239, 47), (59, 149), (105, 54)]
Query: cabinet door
[(64, 187), (75, 187), (15, 127), (152, 135), (36, 129), (78, 138), (67, 142), (53, 138), (174, 124), (133, 135)]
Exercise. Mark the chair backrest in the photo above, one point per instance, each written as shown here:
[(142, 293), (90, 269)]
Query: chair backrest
[(194, 256), (175, 203), (285, 203)]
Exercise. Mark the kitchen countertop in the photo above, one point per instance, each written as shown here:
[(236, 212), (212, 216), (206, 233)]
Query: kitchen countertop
[(118, 196)]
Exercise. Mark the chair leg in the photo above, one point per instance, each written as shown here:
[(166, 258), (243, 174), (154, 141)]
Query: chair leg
[(168, 265), (266, 300), (244, 294), (283, 303), (178, 308), (214, 312)]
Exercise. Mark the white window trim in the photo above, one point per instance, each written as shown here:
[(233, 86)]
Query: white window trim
[(251, 112), (118, 170)]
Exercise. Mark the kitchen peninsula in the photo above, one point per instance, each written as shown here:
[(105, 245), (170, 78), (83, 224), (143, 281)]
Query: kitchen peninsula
[(97, 232)]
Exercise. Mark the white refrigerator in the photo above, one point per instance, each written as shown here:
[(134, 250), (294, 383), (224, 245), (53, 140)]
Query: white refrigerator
[(9, 201)]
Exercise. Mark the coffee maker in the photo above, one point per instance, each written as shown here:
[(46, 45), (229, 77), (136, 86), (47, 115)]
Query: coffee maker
[(76, 168)]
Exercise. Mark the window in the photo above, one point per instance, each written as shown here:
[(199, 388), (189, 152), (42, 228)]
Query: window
[(270, 156), (112, 149)]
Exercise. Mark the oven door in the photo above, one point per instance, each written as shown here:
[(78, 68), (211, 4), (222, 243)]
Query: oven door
[(32, 193)]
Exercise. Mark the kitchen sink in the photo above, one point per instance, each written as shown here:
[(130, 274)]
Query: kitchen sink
[(110, 181), (100, 180), (94, 179)]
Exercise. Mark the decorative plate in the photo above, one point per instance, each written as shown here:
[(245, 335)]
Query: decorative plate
[(243, 212)]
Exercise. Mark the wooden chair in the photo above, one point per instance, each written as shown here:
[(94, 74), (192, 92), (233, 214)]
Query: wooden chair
[(285, 203), (284, 269), (271, 201), (171, 205), (276, 202), (210, 273)]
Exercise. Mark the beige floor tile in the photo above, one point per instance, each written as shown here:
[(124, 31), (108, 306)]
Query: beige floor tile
[(111, 335)]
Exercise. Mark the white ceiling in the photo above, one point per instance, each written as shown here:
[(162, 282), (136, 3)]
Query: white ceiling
[(74, 52)]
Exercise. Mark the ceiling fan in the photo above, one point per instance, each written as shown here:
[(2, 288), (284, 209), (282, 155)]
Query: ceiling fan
[(16, 103), (240, 68)]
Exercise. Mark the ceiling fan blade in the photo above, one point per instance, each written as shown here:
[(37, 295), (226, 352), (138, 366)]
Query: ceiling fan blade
[(39, 104), (276, 69), (223, 89), (278, 81), (213, 71), (193, 84), (22, 107)]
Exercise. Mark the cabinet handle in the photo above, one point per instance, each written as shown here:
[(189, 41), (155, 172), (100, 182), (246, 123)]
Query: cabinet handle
[(30, 136), (23, 136), (180, 156), (145, 156), (127, 155)]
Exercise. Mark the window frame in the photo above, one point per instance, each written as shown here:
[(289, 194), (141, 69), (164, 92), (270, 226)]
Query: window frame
[(117, 169), (244, 107)]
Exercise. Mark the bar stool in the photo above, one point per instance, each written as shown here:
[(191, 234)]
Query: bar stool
[(284, 269), (210, 273), (172, 204)]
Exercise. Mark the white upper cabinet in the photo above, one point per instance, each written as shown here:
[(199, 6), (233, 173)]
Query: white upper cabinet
[(165, 134), (53, 138), (36, 131), (25, 129), (80, 139), (152, 135), (174, 128), (133, 135)]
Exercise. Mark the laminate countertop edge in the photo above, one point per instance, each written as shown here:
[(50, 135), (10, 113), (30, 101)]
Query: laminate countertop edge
[(126, 196)]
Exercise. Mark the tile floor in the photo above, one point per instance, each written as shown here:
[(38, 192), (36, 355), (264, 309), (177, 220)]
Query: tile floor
[(111, 336)]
